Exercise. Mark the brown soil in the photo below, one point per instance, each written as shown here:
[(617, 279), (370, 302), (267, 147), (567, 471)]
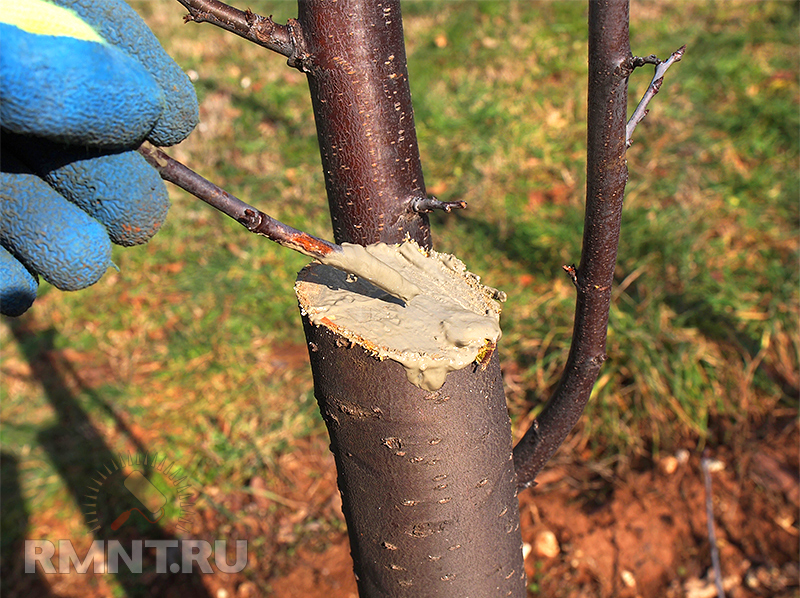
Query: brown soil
[(643, 534), (639, 533), (646, 534)]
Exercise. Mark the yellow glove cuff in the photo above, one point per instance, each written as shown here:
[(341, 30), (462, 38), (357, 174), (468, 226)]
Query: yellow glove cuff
[(43, 18)]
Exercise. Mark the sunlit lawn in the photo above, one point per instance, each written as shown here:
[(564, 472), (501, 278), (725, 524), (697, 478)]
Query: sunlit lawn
[(196, 342)]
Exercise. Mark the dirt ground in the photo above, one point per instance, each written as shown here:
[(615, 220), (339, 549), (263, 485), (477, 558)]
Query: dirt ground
[(643, 533), (589, 531)]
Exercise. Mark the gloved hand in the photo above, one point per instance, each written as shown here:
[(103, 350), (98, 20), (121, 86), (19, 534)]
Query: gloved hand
[(81, 85)]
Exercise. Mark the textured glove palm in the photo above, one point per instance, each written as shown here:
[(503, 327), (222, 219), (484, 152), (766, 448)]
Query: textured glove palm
[(80, 87)]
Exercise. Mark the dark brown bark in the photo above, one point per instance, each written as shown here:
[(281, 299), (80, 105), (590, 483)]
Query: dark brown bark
[(610, 64), (358, 79)]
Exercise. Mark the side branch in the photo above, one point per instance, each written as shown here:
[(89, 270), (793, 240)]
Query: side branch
[(251, 218), (606, 175), (283, 39), (359, 263), (652, 89)]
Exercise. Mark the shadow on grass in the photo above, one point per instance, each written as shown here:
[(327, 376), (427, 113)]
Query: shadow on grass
[(95, 476), (529, 242), (13, 529)]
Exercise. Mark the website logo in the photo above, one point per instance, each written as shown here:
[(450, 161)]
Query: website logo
[(130, 499)]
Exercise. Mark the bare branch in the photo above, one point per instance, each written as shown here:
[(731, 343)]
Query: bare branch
[(429, 204), (283, 39), (606, 175), (251, 218), (359, 263), (652, 89), (572, 271)]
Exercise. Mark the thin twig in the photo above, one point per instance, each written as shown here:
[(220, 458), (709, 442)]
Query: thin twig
[(643, 60), (572, 271), (251, 218), (283, 39), (429, 204), (712, 536), (652, 89), (350, 260)]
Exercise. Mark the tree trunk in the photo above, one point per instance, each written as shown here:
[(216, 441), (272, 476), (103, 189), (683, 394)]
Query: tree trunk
[(427, 479), (365, 122)]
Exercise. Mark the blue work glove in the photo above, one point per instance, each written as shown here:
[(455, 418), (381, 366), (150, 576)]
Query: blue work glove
[(82, 84)]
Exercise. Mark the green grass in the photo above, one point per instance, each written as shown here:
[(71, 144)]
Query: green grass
[(187, 341)]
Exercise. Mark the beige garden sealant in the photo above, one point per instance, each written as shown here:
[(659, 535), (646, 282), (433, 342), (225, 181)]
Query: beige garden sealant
[(420, 308)]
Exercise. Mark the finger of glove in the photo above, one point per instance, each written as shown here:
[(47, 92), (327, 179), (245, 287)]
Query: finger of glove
[(74, 91), (48, 234), (121, 190), (121, 26), (17, 285)]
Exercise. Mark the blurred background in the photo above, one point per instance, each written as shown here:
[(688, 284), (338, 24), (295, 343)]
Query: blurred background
[(192, 354)]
